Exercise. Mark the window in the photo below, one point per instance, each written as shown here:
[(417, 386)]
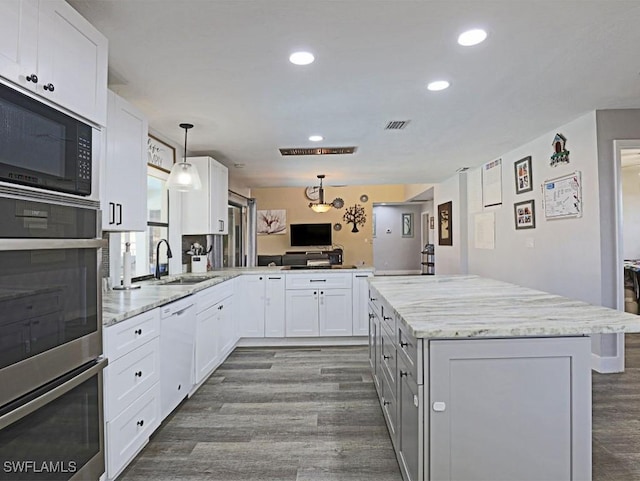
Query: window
[(142, 244)]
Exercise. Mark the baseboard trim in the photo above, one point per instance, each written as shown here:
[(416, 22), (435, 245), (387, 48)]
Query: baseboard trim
[(607, 365), (302, 341)]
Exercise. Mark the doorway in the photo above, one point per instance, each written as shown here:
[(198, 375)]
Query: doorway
[(628, 158)]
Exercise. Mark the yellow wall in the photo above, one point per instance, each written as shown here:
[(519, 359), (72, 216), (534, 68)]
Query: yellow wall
[(357, 247)]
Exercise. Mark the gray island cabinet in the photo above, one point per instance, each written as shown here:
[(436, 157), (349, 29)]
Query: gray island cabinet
[(481, 380)]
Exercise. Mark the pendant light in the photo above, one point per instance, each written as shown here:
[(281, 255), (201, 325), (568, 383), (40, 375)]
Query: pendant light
[(184, 176), (321, 206)]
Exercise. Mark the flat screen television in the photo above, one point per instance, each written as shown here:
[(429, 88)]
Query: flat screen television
[(310, 234)]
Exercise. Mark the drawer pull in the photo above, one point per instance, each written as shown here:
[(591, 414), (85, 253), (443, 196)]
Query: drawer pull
[(403, 344), (317, 280), (138, 331), (138, 374), (403, 373), (140, 423)]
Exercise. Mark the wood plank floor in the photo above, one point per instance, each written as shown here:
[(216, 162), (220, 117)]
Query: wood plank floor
[(276, 414), (313, 415)]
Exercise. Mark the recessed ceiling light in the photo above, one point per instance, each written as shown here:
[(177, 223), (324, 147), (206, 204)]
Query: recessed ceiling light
[(316, 138), (472, 37), (301, 58), (438, 85)]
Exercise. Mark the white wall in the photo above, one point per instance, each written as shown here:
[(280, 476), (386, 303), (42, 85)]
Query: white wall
[(631, 211), (558, 256), (392, 253), (452, 259)]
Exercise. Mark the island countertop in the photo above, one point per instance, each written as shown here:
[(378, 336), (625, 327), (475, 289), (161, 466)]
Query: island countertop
[(466, 306)]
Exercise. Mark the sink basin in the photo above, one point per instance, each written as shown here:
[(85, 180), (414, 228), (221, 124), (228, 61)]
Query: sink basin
[(182, 281)]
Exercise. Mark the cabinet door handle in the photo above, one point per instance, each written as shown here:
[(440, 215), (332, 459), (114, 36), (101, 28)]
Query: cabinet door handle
[(386, 318), (386, 358), (119, 214), (220, 226), (32, 78), (112, 213), (138, 331), (138, 374), (49, 87), (403, 373), (385, 402), (140, 423), (403, 344), (371, 315), (373, 299)]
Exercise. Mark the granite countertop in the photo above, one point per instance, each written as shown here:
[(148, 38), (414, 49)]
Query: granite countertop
[(120, 305), (472, 306)]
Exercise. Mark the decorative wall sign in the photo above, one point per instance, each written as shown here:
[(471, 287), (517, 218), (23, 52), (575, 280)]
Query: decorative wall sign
[(272, 222), (445, 232), (492, 183), (407, 225), (563, 196), (160, 155), (560, 153), (524, 180), (525, 214), (355, 215)]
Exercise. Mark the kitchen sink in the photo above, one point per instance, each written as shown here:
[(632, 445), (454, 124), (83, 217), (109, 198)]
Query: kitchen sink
[(185, 281)]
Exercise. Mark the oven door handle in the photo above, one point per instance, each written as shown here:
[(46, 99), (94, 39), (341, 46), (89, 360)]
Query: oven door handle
[(44, 244), (26, 409)]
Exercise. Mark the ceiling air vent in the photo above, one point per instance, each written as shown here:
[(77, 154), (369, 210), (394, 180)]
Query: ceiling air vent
[(318, 151), (397, 124)]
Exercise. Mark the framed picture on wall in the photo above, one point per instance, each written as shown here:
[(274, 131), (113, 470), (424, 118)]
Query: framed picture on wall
[(407, 225), (525, 214), (160, 155), (524, 182), (445, 234)]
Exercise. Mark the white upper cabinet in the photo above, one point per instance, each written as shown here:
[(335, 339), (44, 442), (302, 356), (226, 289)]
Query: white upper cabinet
[(124, 188), (205, 211), (18, 40), (50, 49)]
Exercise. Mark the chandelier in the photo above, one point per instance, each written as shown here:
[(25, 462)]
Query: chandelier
[(321, 205)]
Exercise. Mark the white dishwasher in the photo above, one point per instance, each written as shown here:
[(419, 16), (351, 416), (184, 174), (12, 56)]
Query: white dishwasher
[(177, 334)]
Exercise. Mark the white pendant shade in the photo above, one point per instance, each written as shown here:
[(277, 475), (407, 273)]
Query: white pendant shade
[(184, 178)]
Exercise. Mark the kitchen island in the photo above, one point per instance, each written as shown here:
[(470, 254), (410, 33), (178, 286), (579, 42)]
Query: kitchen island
[(483, 380)]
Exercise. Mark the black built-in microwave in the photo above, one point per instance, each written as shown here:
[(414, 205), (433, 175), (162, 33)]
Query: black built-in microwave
[(41, 146)]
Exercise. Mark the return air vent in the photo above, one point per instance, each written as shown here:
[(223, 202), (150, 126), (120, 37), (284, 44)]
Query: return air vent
[(318, 151), (397, 124)]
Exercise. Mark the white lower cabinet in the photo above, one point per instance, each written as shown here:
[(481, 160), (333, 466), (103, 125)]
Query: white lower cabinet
[(318, 305), (130, 431), (301, 313), (360, 288), (249, 314), (131, 387), (274, 306), (215, 333)]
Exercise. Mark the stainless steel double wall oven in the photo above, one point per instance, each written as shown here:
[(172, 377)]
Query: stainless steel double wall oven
[(51, 422)]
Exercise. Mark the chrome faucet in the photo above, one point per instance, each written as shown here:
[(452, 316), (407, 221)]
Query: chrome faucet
[(169, 256)]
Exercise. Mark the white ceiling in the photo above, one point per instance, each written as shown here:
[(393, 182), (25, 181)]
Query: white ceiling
[(223, 66)]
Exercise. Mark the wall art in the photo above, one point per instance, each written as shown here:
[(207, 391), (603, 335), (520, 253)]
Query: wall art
[(160, 155), (407, 225), (445, 231), (272, 222), (560, 153), (524, 181), (525, 214)]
